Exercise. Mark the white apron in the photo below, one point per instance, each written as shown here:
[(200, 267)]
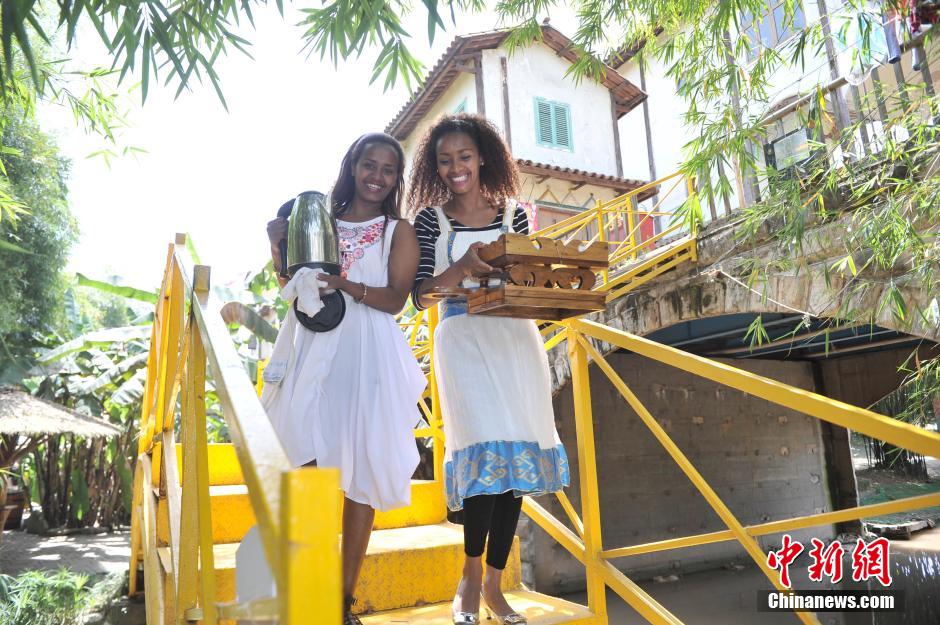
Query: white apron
[(348, 397), (495, 392)]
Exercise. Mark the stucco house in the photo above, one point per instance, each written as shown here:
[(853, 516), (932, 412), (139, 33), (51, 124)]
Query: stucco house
[(565, 136)]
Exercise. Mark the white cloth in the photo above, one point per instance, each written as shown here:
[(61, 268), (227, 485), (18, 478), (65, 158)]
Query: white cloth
[(305, 288), (495, 391), (347, 398)]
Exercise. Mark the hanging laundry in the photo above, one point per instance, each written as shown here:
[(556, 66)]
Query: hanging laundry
[(889, 22)]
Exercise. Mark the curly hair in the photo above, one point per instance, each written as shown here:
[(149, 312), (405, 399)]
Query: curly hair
[(499, 179), (345, 187)]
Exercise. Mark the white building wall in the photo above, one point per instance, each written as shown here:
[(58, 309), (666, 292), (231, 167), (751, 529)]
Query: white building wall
[(493, 87), (464, 87), (538, 72), (669, 133), (633, 134)]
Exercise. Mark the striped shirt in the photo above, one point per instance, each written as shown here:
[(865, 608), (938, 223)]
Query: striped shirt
[(428, 230)]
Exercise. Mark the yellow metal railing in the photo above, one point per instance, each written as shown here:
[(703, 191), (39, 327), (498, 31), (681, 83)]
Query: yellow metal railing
[(297, 510), (585, 542)]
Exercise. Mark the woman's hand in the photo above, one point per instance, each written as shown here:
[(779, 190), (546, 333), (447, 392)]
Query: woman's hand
[(277, 231), (470, 263), (339, 283)]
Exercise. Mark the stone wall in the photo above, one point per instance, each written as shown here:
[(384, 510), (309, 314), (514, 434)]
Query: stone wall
[(764, 461)]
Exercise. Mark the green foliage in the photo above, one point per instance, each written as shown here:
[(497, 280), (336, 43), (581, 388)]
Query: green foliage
[(123, 291), (88, 482), (53, 598), (42, 598), (913, 403), (31, 287)]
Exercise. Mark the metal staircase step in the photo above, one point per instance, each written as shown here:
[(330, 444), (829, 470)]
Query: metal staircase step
[(418, 565), (427, 507), (538, 609), (224, 469), (403, 567), (232, 515), (427, 497)]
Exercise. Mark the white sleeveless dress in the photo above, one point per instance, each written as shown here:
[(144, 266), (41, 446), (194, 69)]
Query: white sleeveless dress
[(348, 397), (495, 392)]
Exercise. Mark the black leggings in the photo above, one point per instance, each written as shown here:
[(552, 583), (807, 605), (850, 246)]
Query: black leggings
[(493, 515)]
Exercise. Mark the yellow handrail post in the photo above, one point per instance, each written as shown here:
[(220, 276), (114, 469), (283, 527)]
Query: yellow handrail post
[(309, 557), (137, 542), (601, 230), (436, 417), (188, 572), (166, 400), (632, 215), (587, 472), (690, 181), (200, 454)]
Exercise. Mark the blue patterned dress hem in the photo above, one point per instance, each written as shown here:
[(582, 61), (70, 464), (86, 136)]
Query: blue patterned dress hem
[(496, 467)]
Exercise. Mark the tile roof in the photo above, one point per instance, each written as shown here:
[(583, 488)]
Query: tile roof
[(617, 183), (466, 47)]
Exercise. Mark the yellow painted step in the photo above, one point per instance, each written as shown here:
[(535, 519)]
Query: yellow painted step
[(224, 556), (427, 507), (224, 469), (427, 497), (403, 567), (538, 609), (418, 565), (231, 514)]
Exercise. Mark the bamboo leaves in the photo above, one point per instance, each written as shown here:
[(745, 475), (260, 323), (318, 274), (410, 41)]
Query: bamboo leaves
[(343, 28)]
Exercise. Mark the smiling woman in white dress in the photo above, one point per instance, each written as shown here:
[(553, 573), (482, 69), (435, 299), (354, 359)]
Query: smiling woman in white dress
[(348, 397), (492, 372)]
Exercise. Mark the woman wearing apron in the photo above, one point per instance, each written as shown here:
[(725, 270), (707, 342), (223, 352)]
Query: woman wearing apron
[(492, 372)]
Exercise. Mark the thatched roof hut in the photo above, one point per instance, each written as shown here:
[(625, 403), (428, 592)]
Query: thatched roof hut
[(25, 421)]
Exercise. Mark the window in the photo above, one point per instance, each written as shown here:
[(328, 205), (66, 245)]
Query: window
[(462, 107), (552, 124), (771, 28)]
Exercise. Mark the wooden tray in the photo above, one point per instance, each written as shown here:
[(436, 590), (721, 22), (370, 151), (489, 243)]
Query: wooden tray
[(511, 248), (526, 302)]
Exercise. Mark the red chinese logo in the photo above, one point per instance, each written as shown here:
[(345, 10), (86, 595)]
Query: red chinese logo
[(826, 561), (871, 560), (783, 558)]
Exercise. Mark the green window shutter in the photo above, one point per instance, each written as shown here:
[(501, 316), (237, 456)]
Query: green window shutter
[(543, 122), (461, 108), (552, 124), (562, 125)]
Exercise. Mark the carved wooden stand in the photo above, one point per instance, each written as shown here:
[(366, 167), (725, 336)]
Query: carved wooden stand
[(540, 279)]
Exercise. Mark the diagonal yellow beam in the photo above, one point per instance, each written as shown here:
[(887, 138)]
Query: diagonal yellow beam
[(750, 545), (867, 422), (570, 511), (785, 525), (636, 597)]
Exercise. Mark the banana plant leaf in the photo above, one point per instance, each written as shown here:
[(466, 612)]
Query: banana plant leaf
[(236, 312), (97, 338), (114, 373), (124, 291)]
